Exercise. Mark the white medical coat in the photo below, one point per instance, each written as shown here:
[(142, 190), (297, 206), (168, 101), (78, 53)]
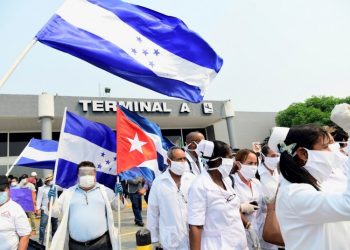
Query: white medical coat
[(305, 216), (61, 208), (269, 182), (167, 211), (257, 218), (217, 210), (193, 168)]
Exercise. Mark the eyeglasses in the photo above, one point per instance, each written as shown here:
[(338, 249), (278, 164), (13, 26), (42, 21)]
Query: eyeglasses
[(230, 198)]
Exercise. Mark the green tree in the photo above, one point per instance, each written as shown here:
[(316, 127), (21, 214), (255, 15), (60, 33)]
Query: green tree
[(316, 109)]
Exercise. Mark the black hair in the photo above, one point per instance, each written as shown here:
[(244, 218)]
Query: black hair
[(265, 150), (339, 135), (4, 184), (10, 176), (291, 167), (86, 164), (221, 149)]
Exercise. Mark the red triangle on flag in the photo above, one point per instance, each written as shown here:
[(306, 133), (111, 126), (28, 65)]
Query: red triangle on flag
[(133, 145)]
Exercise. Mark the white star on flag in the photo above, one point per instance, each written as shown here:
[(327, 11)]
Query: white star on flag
[(136, 144)]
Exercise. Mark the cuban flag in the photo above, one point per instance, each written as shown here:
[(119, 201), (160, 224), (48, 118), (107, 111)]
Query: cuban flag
[(40, 154), (141, 146), (148, 48), (85, 140)]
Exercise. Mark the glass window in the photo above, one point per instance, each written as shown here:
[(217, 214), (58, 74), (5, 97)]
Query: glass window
[(3, 144), (174, 135), (18, 141)]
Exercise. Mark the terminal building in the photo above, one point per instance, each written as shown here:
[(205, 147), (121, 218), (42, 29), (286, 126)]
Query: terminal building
[(23, 117)]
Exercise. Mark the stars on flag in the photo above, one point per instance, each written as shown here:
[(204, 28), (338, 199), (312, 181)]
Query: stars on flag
[(106, 162), (140, 50), (136, 144)]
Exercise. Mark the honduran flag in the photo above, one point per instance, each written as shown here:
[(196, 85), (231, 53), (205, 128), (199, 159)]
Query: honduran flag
[(139, 144), (85, 140), (40, 154), (148, 48)]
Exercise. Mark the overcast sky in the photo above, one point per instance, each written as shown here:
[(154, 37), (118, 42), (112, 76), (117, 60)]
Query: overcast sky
[(275, 52)]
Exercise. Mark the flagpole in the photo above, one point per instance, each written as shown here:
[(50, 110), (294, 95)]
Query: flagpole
[(17, 62), (118, 197), (19, 157), (54, 183)]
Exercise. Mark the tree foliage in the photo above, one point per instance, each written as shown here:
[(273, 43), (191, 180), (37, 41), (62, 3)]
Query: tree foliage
[(316, 109)]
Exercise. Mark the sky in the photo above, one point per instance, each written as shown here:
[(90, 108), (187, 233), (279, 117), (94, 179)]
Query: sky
[(275, 52)]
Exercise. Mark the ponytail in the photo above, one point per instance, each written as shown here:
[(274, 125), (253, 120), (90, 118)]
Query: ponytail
[(294, 173)]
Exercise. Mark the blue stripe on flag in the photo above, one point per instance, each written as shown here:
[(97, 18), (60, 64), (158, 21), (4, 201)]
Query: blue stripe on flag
[(67, 173), (65, 37), (26, 162), (44, 145), (148, 23), (94, 132)]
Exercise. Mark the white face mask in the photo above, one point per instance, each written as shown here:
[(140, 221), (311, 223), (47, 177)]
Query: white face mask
[(248, 171), (272, 162), (225, 168), (178, 167), (87, 181), (335, 147), (320, 163)]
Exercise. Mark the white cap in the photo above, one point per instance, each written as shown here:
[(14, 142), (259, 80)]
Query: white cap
[(278, 135), (206, 148), (34, 174)]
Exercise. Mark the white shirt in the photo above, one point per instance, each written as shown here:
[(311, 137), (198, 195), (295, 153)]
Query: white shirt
[(193, 167), (304, 215), (87, 214), (257, 218), (218, 211), (42, 198), (269, 182), (167, 211), (13, 223)]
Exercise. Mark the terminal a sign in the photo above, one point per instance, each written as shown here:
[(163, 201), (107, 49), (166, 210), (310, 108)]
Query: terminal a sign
[(138, 106)]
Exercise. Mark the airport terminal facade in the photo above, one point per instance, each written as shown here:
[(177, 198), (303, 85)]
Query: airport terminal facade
[(20, 120)]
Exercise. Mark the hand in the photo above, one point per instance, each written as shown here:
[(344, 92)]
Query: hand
[(118, 188), (254, 237), (38, 212), (341, 116), (52, 193), (247, 208)]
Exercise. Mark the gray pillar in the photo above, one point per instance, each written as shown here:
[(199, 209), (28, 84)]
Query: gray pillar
[(229, 113), (46, 112)]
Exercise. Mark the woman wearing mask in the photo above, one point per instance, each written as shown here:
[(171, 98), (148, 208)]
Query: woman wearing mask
[(305, 212), (268, 172), (249, 190), (213, 206), (14, 226)]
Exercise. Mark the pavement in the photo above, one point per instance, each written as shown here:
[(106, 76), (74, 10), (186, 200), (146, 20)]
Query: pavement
[(128, 228)]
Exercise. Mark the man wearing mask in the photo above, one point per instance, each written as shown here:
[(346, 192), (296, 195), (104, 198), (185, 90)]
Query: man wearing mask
[(86, 210), (14, 226), (192, 154), (42, 208), (167, 204)]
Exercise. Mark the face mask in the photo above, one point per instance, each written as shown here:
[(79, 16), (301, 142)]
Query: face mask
[(3, 197), (87, 181), (335, 147), (24, 181), (248, 171), (178, 167), (13, 184), (225, 168), (320, 163), (272, 162)]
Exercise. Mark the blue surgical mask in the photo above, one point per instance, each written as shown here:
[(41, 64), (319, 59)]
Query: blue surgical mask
[(3, 197)]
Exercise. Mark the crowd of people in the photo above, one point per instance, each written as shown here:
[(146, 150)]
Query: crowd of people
[(210, 197)]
